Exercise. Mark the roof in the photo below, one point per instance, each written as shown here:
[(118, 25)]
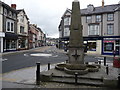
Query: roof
[(98, 10), (23, 12), (8, 7), (105, 9)]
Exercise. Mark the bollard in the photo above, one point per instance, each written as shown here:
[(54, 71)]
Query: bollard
[(104, 61), (86, 63), (99, 62), (76, 74), (107, 70), (38, 73), (118, 81), (48, 66), (66, 61)]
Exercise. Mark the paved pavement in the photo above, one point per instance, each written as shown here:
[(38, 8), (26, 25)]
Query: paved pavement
[(25, 78)]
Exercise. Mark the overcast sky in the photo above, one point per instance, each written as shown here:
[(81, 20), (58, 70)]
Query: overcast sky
[(47, 13)]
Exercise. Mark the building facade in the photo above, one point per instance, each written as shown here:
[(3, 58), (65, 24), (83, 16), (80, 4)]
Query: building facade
[(9, 27), (101, 29), (22, 30), (2, 34)]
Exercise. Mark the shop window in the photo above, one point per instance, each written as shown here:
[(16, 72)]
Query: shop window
[(117, 47), (109, 46), (23, 44), (91, 46), (10, 44)]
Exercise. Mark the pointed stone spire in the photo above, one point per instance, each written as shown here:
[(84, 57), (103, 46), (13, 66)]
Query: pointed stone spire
[(76, 49)]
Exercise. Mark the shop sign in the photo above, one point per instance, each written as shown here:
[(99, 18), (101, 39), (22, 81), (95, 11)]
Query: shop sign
[(107, 41)]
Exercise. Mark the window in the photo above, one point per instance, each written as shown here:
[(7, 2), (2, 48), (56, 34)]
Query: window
[(89, 19), (109, 46), (67, 21), (110, 29), (110, 17), (9, 26), (93, 29), (66, 31), (10, 14), (91, 46), (5, 12), (21, 29), (10, 44), (98, 18)]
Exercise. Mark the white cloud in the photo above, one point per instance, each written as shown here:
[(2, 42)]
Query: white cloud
[(47, 13)]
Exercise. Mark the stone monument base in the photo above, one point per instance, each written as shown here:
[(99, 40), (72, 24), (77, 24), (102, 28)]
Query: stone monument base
[(99, 79), (81, 69)]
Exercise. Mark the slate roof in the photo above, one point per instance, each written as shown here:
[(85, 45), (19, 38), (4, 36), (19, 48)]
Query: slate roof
[(8, 7), (100, 10)]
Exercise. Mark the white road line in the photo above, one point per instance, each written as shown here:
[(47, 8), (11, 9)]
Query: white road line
[(3, 59)]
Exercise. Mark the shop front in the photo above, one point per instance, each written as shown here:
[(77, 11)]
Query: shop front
[(111, 46), (10, 42), (22, 42)]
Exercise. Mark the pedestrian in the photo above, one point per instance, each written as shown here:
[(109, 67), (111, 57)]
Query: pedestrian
[(114, 53)]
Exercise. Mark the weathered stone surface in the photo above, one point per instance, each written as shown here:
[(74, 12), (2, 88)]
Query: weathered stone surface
[(76, 49)]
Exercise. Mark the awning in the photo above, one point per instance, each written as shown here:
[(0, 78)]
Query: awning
[(11, 36)]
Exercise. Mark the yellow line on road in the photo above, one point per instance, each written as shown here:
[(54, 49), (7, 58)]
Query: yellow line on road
[(9, 79)]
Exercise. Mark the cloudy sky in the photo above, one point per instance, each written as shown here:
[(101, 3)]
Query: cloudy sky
[(47, 13)]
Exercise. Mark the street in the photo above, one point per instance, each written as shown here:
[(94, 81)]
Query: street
[(30, 58), (19, 68), (50, 54)]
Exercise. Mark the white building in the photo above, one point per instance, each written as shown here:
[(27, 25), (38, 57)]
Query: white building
[(22, 30), (2, 34)]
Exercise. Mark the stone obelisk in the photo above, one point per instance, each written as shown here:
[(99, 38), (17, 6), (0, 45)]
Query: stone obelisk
[(76, 49)]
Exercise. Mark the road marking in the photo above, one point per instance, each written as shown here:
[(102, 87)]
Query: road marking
[(26, 54), (9, 79), (41, 54), (55, 56), (5, 59)]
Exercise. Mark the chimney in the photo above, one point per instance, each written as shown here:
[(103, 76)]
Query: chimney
[(103, 3), (13, 6)]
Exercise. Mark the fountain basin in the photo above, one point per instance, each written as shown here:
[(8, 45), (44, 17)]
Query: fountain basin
[(81, 69)]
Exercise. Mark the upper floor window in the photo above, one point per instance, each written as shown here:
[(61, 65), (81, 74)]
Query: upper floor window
[(67, 21), (110, 17), (10, 14), (66, 31), (110, 29), (89, 19), (5, 12), (21, 29), (98, 18), (93, 29), (9, 26)]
